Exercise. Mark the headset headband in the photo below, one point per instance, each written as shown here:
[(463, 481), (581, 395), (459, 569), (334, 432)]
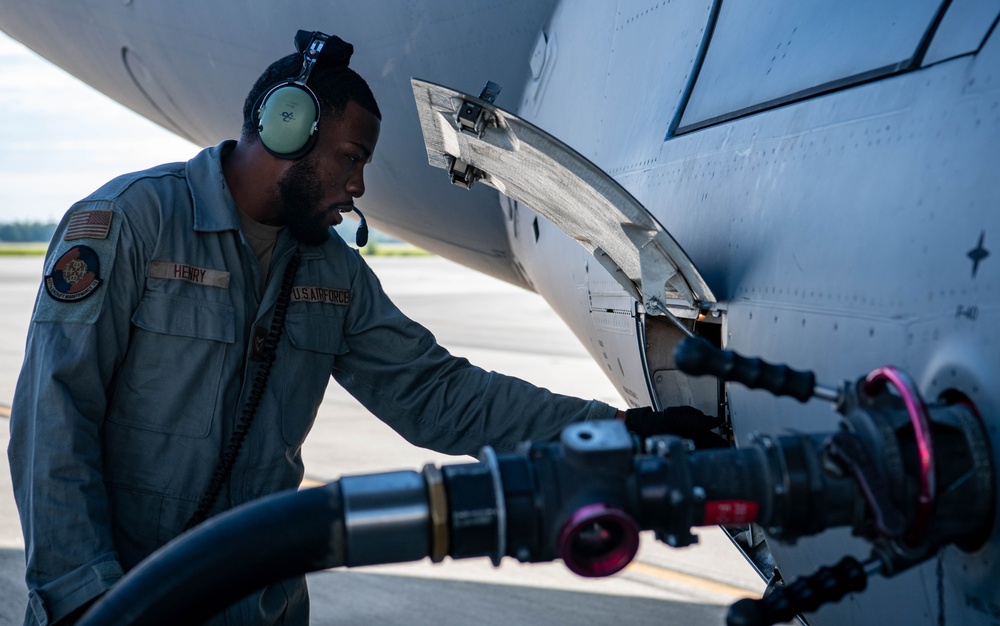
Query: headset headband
[(310, 56), (317, 47)]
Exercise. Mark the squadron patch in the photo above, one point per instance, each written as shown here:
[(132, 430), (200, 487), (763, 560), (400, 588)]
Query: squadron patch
[(325, 295), (76, 275)]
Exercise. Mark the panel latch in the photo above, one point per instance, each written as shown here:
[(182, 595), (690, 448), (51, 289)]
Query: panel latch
[(471, 118)]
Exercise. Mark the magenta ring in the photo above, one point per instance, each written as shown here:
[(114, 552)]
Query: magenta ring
[(611, 561), (917, 411)]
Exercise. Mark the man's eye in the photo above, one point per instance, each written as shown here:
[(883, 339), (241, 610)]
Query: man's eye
[(353, 158)]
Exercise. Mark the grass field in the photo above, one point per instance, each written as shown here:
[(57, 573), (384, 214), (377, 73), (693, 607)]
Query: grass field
[(22, 249)]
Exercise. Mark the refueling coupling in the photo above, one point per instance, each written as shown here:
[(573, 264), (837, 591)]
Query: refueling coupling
[(568, 500), (908, 477), (924, 474), (585, 498)]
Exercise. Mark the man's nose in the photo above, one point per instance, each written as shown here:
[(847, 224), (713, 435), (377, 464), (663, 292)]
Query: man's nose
[(356, 185)]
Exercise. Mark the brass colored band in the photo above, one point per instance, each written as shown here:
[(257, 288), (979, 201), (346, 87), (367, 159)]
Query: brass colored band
[(438, 499)]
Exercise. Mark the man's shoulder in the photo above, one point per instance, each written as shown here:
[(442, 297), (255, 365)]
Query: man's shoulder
[(143, 198), (152, 181)]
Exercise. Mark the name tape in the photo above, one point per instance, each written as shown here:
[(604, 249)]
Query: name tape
[(189, 273)]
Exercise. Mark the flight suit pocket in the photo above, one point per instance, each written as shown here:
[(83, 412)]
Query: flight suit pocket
[(314, 341), (170, 380)]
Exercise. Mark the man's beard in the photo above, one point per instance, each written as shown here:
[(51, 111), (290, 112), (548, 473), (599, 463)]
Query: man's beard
[(300, 196)]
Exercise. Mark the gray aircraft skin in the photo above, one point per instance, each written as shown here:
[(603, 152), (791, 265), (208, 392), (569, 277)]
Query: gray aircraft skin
[(827, 171)]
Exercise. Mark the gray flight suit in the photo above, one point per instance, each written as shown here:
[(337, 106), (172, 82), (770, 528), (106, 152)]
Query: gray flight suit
[(140, 356)]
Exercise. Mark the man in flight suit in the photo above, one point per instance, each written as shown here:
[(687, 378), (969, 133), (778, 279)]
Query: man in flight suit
[(167, 296)]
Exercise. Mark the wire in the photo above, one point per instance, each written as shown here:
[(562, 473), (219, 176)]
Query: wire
[(225, 466)]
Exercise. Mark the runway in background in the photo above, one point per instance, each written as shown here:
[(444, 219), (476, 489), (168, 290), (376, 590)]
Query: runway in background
[(498, 327)]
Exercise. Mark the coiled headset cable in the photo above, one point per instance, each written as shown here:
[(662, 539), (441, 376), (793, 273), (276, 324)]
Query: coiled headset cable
[(225, 466)]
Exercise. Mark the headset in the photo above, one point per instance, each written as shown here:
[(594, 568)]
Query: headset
[(288, 113)]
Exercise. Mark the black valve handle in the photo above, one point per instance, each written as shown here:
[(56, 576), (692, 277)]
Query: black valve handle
[(829, 584), (697, 357)]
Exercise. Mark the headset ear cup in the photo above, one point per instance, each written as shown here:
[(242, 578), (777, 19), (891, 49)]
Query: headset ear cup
[(287, 119)]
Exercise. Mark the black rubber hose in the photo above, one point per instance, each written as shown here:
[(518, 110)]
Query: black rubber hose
[(203, 571)]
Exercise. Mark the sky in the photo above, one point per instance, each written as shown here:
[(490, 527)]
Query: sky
[(61, 140)]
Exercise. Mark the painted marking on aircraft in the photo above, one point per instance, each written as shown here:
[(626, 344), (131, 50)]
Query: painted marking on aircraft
[(970, 312), (978, 253), (690, 580)]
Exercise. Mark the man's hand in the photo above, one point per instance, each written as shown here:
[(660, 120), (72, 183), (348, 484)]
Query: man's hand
[(682, 421)]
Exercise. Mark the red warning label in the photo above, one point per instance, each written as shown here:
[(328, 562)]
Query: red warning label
[(725, 512)]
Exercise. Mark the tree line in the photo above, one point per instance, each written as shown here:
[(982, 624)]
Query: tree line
[(32, 232), (27, 231)]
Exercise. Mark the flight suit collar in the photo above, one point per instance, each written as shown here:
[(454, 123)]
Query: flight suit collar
[(214, 207)]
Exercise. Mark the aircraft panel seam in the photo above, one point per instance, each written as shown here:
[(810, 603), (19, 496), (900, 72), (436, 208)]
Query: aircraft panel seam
[(805, 94), (699, 61)]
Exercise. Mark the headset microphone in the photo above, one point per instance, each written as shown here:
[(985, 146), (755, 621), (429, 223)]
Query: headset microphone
[(361, 237)]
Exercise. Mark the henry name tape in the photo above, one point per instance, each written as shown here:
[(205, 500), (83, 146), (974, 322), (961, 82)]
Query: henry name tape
[(189, 273)]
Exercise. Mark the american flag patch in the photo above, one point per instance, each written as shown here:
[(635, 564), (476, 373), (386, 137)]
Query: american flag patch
[(89, 225)]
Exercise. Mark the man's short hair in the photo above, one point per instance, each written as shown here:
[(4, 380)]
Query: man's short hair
[(334, 87)]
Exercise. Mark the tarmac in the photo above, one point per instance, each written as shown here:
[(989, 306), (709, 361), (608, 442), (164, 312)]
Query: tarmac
[(496, 326)]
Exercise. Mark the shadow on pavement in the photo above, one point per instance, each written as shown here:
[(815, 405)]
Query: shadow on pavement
[(353, 597)]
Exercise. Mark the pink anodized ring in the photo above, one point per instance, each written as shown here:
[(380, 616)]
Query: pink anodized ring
[(598, 540), (917, 411)]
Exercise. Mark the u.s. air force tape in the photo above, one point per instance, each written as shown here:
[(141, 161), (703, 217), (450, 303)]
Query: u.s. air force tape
[(76, 275), (326, 295)]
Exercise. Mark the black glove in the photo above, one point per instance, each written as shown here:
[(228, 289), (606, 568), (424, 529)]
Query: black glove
[(682, 421)]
